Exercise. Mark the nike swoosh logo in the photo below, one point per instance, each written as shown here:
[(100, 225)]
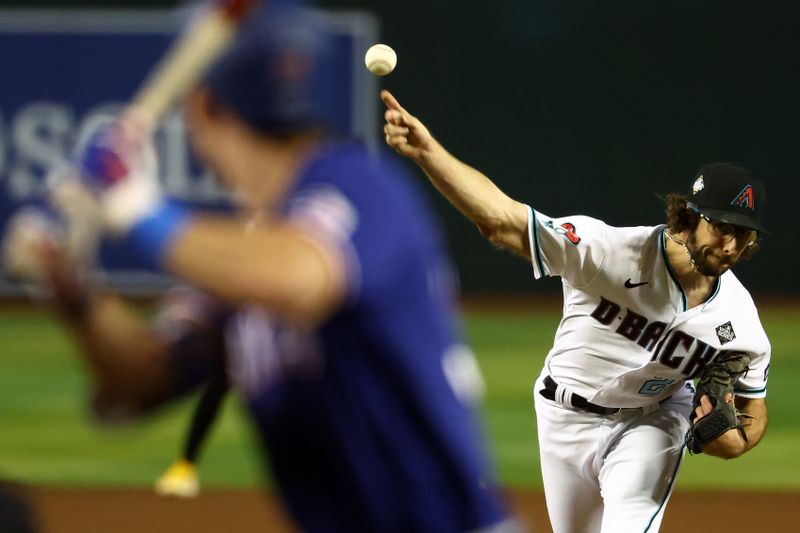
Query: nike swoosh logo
[(629, 285)]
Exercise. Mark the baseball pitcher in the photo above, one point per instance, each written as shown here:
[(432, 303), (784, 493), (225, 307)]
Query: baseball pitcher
[(647, 310)]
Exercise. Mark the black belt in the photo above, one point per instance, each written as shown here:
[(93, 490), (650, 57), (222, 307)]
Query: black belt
[(579, 402)]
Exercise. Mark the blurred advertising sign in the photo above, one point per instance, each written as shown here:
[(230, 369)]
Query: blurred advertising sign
[(64, 69)]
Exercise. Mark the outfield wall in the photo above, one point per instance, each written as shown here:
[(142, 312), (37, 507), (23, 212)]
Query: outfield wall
[(594, 107)]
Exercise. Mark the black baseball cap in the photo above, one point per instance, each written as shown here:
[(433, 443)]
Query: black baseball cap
[(729, 193)]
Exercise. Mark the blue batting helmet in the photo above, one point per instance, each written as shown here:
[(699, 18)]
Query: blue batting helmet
[(274, 76)]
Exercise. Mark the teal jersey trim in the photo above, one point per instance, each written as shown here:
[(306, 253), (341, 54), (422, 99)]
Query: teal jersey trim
[(716, 291), (535, 234), (663, 246), (669, 489), (750, 391)]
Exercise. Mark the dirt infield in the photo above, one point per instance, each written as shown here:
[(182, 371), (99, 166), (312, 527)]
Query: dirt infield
[(60, 510)]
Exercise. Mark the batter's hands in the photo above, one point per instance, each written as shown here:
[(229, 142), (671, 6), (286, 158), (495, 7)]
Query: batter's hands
[(728, 445), (31, 235), (118, 165), (35, 252), (79, 214), (405, 133)]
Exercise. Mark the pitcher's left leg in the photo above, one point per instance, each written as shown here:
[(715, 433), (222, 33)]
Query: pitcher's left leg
[(640, 468)]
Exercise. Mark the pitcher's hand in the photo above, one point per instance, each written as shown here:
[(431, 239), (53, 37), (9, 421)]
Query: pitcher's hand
[(405, 134)]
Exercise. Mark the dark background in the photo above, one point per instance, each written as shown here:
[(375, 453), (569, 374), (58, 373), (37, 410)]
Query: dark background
[(594, 107)]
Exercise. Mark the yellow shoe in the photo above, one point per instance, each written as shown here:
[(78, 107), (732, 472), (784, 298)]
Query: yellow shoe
[(179, 480)]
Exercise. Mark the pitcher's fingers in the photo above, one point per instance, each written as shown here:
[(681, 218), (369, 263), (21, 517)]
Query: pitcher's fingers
[(390, 101), (704, 408), (391, 129), (705, 403), (396, 140), (398, 118), (394, 143)]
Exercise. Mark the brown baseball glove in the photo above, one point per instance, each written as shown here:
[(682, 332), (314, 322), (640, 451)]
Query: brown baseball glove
[(717, 381)]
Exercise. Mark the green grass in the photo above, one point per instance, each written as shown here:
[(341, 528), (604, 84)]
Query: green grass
[(46, 435)]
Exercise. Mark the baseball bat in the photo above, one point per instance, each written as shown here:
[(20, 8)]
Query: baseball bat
[(187, 58)]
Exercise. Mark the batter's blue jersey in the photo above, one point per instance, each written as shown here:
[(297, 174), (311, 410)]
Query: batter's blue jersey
[(366, 419)]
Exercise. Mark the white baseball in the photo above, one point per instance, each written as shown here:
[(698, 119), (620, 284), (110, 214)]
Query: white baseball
[(380, 59)]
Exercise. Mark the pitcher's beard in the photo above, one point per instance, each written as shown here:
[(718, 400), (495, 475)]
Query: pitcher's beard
[(701, 264)]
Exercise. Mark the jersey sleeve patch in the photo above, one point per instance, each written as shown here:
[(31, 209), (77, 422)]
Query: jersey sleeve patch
[(572, 247), (327, 217), (325, 211)]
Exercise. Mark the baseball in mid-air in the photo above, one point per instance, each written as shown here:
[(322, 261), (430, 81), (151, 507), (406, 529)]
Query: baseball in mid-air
[(380, 59)]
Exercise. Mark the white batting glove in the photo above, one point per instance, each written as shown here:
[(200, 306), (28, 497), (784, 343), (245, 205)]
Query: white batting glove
[(79, 212), (31, 235), (118, 165), (35, 252)]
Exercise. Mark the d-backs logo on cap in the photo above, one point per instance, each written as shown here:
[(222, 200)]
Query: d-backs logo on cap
[(745, 198), (698, 184)]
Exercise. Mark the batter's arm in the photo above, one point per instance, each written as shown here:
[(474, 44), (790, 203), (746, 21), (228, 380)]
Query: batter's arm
[(129, 362), (277, 266), (731, 444), (501, 219)]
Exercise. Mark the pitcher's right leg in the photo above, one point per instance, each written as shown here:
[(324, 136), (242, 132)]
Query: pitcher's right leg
[(568, 441)]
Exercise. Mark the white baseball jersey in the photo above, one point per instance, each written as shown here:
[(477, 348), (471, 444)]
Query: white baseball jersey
[(627, 338)]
